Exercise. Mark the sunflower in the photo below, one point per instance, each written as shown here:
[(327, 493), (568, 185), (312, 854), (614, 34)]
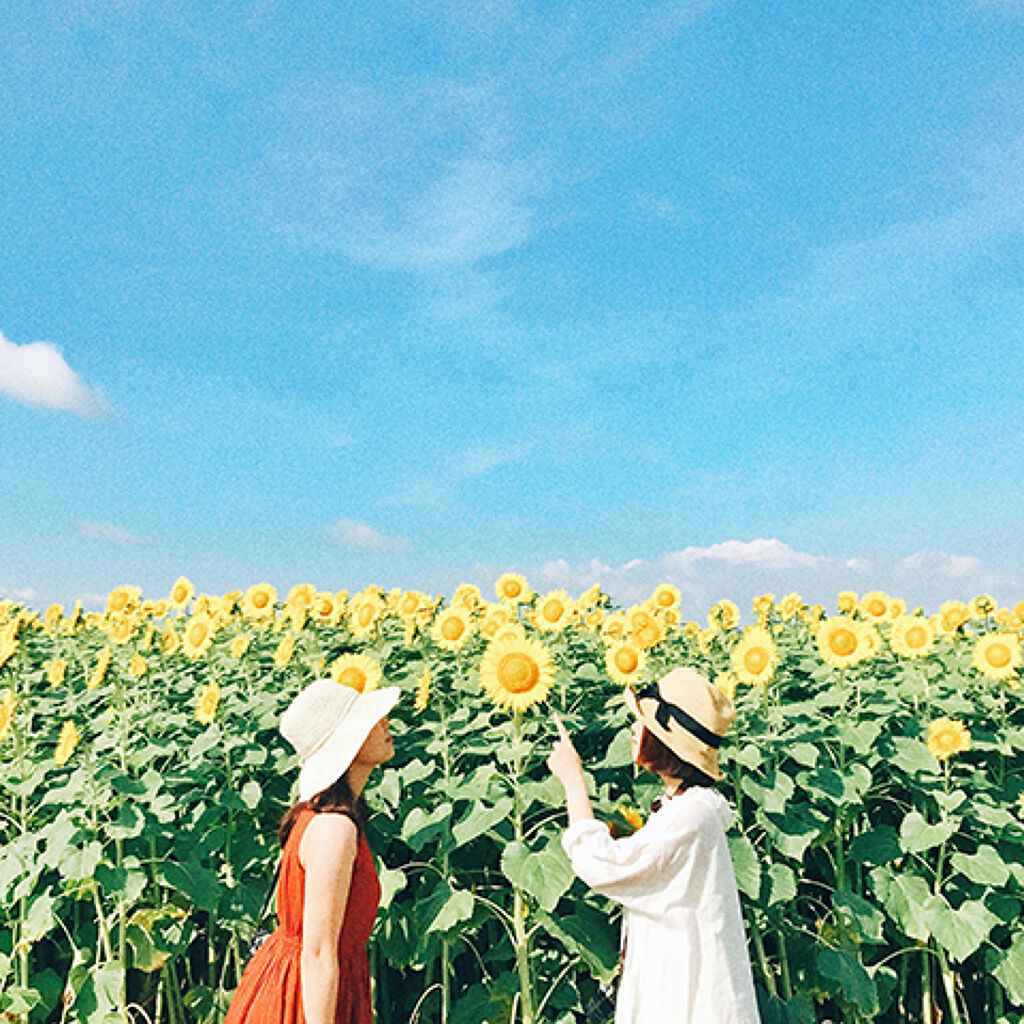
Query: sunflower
[(590, 597), (359, 671), (495, 617), (259, 601), (7, 706), (452, 628), (897, 607), (366, 609), (120, 628), (301, 596), (56, 670), (666, 596), (137, 666), (997, 655), (197, 636), (594, 619), (467, 595), (842, 642), (123, 600), (614, 627), (516, 672), (874, 604), (99, 669), (422, 690), (240, 645), (763, 605), (53, 615), (952, 615), (644, 629), (790, 606), (981, 606), (512, 587), (285, 650), (947, 737), (206, 703), (847, 601), (554, 611), (323, 606), (912, 636), (625, 662), (754, 658), (727, 683), (409, 604), (169, 640), (69, 738), (182, 592), (724, 614)]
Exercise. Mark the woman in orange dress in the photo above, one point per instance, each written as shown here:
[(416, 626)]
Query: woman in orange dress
[(313, 969)]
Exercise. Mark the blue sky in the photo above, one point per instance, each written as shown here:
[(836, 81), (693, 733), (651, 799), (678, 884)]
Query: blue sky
[(729, 294)]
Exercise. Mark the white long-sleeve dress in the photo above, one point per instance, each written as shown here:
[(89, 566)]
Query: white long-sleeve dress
[(686, 950)]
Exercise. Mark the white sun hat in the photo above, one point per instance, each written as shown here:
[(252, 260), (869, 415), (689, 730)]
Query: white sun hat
[(327, 724)]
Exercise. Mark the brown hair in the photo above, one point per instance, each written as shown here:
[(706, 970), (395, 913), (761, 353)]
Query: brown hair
[(337, 798), (656, 757)]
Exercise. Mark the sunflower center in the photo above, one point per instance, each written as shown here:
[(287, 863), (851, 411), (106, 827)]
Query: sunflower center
[(843, 642), (917, 637), (627, 660), (513, 588), (553, 610), (518, 673), (354, 677), (876, 608), (755, 660), (453, 628), (999, 656), (196, 634)]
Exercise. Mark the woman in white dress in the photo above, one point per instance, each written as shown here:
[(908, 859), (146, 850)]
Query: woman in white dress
[(686, 959)]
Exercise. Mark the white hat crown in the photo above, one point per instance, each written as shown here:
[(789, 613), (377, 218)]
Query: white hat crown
[(312, 718)]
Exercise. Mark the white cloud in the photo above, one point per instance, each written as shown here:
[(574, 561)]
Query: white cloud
[(359, 535), (20, 594), (740, 570), (108, 532), (36, 374)]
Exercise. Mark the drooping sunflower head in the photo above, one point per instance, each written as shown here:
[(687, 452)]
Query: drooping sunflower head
[(452, 627), (790, 606), (981, 606), (626, 662), (285, 650), (512, 587), (422, 690), (69, 737), (724, 614), (8, 703), (912, 636), (516, 672), (56, 670), (997, 656), (590, 598), (359, 671), (754, 658), (207, 703), (947, 737)]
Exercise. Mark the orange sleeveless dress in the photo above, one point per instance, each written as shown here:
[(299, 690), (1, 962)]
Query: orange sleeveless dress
[(270, 991)]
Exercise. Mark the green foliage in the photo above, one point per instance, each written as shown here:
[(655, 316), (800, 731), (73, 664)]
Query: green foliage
[(877, 882)]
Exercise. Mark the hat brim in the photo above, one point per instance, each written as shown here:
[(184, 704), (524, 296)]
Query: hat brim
[(335, 757), (683, 744)]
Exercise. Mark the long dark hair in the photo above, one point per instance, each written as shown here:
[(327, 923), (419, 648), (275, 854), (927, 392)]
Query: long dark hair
[(656, 757), (337, 798)]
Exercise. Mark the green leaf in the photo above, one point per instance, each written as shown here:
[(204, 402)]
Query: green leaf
[(985, 867), (590, 935), (746, 866), (913, 757), (904, 897), (458, 907), (392, 882), (128, 824), (18, 1001), (792, 833), (421, 827), (99, 998), (961, 931), (1010, 970), (879, 845), (917, 835), (40, 918), (251, 794), (864, 916), (854, 983), (546, 875), (804, 753), (861, 736), (481, 818), (783, 884), (77, 863), (199, 884)]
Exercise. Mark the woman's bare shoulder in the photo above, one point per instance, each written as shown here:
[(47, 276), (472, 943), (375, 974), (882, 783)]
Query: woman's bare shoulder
[(328, 835)]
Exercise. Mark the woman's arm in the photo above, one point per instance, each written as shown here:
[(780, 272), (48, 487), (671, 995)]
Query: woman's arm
[(564, 763), (327, 851)]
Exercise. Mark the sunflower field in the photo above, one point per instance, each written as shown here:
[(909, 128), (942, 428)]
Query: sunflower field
[(875, 767)]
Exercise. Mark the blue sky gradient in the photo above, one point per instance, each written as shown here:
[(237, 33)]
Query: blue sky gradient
[(721, 293)]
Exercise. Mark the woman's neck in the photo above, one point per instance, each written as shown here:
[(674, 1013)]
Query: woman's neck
[(357, 777)]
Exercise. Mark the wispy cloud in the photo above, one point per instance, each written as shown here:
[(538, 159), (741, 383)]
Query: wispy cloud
[(740, 570), (107, 532), (349, 533), (441, 487), (36, 374), (20, 594)]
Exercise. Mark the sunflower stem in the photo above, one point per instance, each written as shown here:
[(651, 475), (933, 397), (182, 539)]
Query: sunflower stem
[(522, 940)]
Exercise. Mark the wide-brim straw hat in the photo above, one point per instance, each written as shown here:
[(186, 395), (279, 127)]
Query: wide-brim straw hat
[(688, 714), (327, 724)]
